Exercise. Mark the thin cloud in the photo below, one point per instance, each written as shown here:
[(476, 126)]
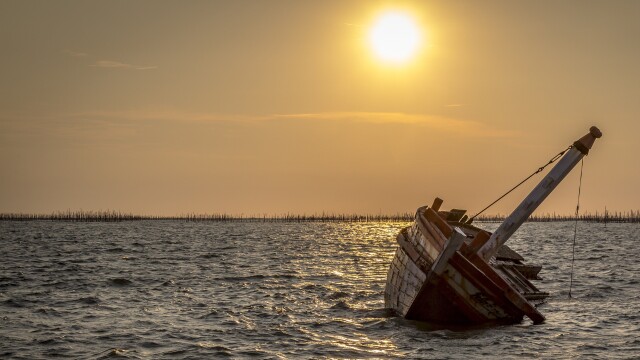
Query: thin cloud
[(111, 64), (160, 115), (466, 128)]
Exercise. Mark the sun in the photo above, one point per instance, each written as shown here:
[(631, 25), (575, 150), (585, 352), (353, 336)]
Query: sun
[(395, 37)]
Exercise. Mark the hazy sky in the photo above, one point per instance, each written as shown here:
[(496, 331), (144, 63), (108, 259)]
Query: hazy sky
[(168, 107)]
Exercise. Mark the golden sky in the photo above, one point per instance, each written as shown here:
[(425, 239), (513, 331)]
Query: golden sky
[(254, 107)]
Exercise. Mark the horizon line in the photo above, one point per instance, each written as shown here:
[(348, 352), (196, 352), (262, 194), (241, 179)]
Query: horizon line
[(116, 216)]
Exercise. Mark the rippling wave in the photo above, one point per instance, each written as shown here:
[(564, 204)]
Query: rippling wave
[(169, 289)]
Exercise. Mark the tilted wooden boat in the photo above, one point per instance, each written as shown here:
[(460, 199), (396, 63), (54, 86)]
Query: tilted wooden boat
[(448, 271)]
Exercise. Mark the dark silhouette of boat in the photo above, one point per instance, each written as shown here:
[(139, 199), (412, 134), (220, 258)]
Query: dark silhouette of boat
[(448, 271)]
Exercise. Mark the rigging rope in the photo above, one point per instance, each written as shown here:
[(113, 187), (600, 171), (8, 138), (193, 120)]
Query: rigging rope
[(553, 159), (575, 229)]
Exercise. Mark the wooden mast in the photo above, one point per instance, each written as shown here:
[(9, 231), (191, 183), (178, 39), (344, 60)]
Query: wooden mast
[(539, 193)]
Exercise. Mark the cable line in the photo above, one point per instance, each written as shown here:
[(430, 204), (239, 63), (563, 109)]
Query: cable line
[(553, 159), (575, 229)]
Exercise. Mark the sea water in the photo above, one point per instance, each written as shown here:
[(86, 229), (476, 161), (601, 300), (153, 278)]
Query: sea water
[(178, 290)]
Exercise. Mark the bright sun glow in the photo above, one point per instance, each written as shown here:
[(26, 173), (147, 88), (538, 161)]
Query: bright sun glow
[(395, 37)]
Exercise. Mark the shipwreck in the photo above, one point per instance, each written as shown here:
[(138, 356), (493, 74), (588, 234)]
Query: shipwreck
[(448, 271)]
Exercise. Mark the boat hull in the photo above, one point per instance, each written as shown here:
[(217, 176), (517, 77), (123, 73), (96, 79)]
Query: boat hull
[(437, 276)]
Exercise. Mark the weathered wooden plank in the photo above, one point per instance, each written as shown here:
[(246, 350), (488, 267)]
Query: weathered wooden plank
[(485, 284), (452, 245), (515, 297), (529, 271), (433, 231), (505, 253), (417, 258), (433, 238), (408, 247), (437, 202), (477, 242), (439, 222)]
